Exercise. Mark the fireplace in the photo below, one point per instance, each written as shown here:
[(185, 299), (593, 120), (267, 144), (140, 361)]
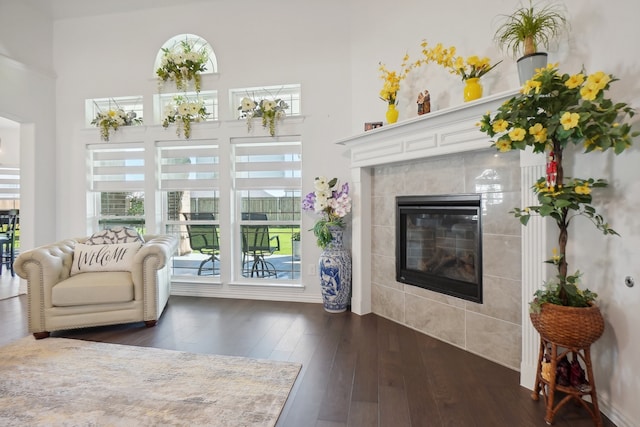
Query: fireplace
[(439, 244)]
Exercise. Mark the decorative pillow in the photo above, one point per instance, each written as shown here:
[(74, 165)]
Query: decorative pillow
[(115, 235), (114, 257)]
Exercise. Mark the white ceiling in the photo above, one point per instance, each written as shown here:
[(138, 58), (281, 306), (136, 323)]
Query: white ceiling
[(62, 9)]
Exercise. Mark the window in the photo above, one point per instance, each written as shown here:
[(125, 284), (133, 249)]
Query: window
[(189, 175), (116, 185), (267, 187), (128, 104), (288, 93), (209, 97), (197, 43)]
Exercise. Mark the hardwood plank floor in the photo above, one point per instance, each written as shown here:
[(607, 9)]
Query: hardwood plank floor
[(358, 371)]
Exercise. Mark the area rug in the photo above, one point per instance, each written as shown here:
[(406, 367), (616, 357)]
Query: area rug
[(66, 382)]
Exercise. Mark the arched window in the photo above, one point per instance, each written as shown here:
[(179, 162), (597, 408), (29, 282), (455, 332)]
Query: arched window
[(196, 44)]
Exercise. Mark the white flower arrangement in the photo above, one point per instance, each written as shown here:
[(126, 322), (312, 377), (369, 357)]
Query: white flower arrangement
[(329, 201), (113, 119), (271, 112), (183, 112), (182, 65)]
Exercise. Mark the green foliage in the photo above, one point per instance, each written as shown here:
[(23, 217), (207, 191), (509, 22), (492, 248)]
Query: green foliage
[(322, 231), (552, 293), (552, 111), (530, 26)]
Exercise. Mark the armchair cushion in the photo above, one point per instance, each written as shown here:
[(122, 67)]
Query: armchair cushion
[(93, 288), (113, 257), (115, 235)]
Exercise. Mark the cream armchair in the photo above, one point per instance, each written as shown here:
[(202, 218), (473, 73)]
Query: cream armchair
[(58, 299)]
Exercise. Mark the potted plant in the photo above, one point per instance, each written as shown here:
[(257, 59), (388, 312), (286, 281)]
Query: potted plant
[(552, 111), (523, 31), (332, 202)]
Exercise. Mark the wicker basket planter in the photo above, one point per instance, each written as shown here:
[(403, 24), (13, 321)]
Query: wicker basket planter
[(574, 327)]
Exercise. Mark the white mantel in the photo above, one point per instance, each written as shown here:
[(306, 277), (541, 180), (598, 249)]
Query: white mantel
[(448, 131)]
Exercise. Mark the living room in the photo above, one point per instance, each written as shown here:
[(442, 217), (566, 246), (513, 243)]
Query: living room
[(54, 63)]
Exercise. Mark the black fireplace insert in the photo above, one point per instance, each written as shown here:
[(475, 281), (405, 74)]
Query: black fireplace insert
[(439, 244)]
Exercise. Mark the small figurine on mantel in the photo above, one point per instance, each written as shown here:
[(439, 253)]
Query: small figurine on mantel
[(424, 103)]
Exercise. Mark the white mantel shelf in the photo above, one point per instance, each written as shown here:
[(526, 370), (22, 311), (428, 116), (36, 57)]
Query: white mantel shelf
[(447, 131)]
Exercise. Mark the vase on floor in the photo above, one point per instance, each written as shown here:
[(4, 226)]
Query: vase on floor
[(335, 274), (472, 89), (392, 114)]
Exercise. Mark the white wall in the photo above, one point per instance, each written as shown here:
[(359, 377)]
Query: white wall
[(603, 37), (27, 96), (10, 148)]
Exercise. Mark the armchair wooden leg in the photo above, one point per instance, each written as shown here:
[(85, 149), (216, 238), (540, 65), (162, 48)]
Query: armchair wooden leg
[(41, 335), (150, 323)]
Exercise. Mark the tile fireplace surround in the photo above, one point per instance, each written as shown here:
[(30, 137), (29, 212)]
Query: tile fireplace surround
[(443, 152)]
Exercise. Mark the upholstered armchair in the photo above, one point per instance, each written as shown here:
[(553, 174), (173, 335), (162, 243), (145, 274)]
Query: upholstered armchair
[(70, 284)]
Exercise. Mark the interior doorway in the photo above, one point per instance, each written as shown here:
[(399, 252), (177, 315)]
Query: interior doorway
[(10, 134)]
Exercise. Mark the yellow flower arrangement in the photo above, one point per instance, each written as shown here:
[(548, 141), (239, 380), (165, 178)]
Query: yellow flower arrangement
[(471, 67), (392, 80), (552, 111)]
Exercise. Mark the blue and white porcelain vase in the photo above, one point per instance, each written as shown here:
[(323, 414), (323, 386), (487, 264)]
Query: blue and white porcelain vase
[(335, 274)]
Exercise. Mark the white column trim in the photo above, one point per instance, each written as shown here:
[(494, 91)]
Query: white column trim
[(534, 253)]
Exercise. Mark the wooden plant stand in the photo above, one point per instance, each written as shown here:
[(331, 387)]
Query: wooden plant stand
[(549, 386)]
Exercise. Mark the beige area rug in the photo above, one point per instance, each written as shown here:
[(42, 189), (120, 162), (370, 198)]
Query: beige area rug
[(65, 382)]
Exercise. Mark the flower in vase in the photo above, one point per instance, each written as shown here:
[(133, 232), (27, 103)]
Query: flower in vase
[(329, 201)]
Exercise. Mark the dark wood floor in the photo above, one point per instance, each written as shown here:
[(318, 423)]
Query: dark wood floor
[(357, 371)]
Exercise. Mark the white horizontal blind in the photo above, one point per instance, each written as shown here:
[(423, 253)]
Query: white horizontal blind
[(268, 165), (194, 166), (9, 183), (116, 168)]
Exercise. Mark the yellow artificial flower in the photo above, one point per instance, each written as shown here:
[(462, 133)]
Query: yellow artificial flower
[(574, 81), (473, 60), (588, 92), (569, 120), (599, 79), (517, 134), (503, 145), (500, 125), (539, 132), (582, 189), (531, 85)]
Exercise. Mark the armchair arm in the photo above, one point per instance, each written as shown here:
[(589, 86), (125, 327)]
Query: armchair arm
[(151, 273), (43, 267)]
